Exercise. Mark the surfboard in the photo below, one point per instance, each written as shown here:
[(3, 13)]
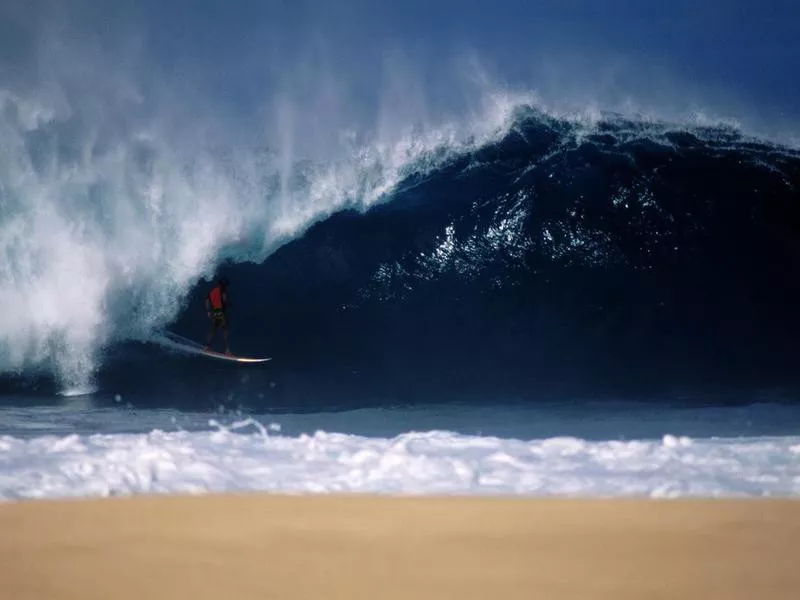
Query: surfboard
[(183, 344)]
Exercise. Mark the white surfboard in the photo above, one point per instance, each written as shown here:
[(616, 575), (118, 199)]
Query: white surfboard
[(182, 344)]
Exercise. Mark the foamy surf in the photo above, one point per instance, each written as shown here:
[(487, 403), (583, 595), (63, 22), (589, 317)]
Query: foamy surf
[(250, 457)]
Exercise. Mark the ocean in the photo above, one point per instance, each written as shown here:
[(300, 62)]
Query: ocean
[(538, 304)]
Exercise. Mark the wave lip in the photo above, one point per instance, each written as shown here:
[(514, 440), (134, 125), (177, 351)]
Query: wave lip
[(435, 462)]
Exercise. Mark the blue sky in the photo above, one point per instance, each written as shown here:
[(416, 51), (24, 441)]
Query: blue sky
[(734, 58)]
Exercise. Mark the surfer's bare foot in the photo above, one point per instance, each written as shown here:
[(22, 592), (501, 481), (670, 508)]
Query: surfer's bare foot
[(228, 353), (207, 348)]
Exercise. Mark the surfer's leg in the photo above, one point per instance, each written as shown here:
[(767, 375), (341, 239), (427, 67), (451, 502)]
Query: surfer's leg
[(211, 335), (225, 334)]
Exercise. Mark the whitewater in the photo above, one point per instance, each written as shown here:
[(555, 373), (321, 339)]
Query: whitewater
[(81, 452)]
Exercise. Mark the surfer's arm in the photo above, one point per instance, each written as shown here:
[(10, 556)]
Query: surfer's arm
[(208, 307)]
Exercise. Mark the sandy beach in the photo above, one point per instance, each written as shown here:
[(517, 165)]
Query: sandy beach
[(259, 546)]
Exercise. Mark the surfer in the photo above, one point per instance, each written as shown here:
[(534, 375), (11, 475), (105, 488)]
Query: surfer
[(216, 308)]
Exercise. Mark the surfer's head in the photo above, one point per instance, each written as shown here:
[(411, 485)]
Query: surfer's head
[(223, 282)]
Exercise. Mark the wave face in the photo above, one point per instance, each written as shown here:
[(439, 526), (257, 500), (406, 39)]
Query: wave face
[(612, 256), (568, 256)]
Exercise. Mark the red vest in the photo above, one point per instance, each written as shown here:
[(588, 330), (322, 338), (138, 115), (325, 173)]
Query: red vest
[(215, 297)]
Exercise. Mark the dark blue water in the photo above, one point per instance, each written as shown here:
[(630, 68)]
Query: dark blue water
[(632, 260)]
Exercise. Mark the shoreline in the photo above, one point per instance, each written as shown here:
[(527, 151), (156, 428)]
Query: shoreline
[(429, 547)]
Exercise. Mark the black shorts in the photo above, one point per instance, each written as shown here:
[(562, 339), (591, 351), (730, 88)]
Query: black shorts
[(218, 317)]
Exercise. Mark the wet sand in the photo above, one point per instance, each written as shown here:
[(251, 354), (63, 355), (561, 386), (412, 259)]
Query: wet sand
[(337, 547)]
